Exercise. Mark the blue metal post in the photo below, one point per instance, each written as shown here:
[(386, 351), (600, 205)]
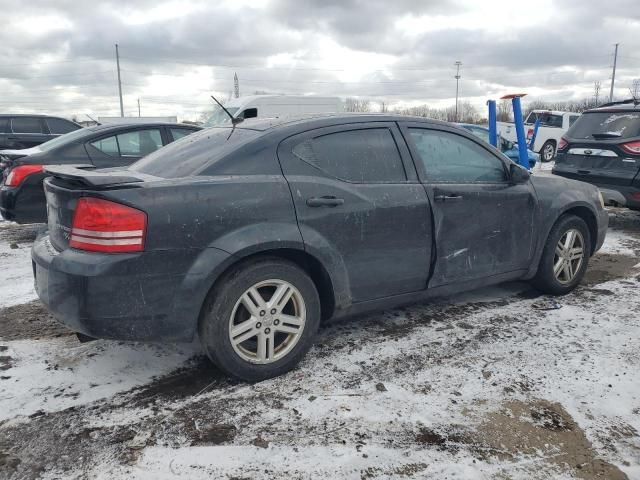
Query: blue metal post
[(493, 125), (536, 126), (523, 156)]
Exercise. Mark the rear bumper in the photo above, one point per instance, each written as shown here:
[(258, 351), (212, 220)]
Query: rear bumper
[(622, 195), (24, 204), (148, 296)]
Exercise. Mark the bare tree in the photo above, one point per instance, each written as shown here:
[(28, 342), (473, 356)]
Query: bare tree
[(384, 106), (504, 111), (353, 104)]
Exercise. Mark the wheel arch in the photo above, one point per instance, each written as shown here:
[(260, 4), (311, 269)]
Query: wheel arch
[(589, 217), (298, 256)]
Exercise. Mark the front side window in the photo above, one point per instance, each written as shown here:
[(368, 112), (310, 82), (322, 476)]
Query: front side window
[(139, 143), (58, 126), (359, 156), (450, 158), (108, 146), (26, 125)]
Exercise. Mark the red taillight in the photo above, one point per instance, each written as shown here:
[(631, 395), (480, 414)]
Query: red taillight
[(103, 226), (562, 144), (19, 173), (631, 147)]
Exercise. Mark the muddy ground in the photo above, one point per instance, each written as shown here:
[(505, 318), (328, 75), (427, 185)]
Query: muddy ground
[(497, 383)]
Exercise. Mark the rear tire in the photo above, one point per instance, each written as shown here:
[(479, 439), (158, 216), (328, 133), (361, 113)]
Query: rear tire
[(260, 319), (548, 151), (565, 256)]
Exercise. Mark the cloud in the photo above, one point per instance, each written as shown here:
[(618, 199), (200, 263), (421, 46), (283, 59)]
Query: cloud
[(59, 56)]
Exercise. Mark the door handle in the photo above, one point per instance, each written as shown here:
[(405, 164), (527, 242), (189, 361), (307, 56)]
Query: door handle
[(326, 201), (584, 172), (448, 198)]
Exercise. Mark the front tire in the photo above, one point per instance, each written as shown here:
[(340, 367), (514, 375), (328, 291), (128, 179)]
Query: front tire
[(548, 151), (565, 256), (260, 319)]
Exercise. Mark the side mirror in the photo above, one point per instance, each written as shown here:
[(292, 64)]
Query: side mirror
[(518, 174), (250, 113)]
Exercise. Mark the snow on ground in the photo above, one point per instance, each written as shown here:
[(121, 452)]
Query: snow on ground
[(496, 383), (15, 263)]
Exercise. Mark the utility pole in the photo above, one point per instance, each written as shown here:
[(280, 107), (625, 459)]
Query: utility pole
[(596, 91), (236, 85), (635, 88), (613, 75), (119, 82), (458, 64), (138, 106)]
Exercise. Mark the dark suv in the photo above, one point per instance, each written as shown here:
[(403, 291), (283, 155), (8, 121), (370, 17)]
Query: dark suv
[(26, 131), (247, 237), (603, 148)]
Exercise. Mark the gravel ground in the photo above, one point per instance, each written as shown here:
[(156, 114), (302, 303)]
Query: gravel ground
[(496, 383)]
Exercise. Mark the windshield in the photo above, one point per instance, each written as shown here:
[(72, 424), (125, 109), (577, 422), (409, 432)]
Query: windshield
[(189, 155), (599, 125), (63, 139), (219, 117)]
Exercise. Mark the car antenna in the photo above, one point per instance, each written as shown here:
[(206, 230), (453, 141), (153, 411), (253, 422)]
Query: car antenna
[(92, 119), (234, 121)]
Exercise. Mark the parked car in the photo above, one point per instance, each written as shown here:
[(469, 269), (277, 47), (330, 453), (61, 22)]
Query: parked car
[(272, 106), (21, 194), (510, 149), (25, 131), (603, 148), (247, 237), (553, 124)]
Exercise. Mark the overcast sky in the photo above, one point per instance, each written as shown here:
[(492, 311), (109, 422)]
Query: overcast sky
[(58, 56)]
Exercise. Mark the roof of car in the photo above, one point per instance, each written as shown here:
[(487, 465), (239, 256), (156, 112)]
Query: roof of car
[(37, 115), (265, 124), (105, 127), (627, 105)]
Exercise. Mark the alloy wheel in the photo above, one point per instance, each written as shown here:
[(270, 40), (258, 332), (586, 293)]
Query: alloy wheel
[(267, 321), (548, 152), (569, 256)]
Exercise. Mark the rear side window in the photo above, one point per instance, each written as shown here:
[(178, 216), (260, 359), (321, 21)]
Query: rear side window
[(573, 118), (359, 156), (139, 142), (606, 125), (4, 125), (178, 133), (194, 153), (449, 158), (108, 146), (59, 126), (26, 125)]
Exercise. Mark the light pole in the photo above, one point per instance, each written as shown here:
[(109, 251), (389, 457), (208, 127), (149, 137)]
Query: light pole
[(458, 64)]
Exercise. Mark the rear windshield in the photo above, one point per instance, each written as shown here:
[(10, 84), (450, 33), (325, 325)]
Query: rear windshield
[(606, 125), (192, 153), (64, 139)]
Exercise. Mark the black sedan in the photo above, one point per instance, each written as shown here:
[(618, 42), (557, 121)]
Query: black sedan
[(247, 236), (116, 145)]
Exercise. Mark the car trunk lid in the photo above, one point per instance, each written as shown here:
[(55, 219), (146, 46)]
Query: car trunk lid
[(603, 163), (68, 183)]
